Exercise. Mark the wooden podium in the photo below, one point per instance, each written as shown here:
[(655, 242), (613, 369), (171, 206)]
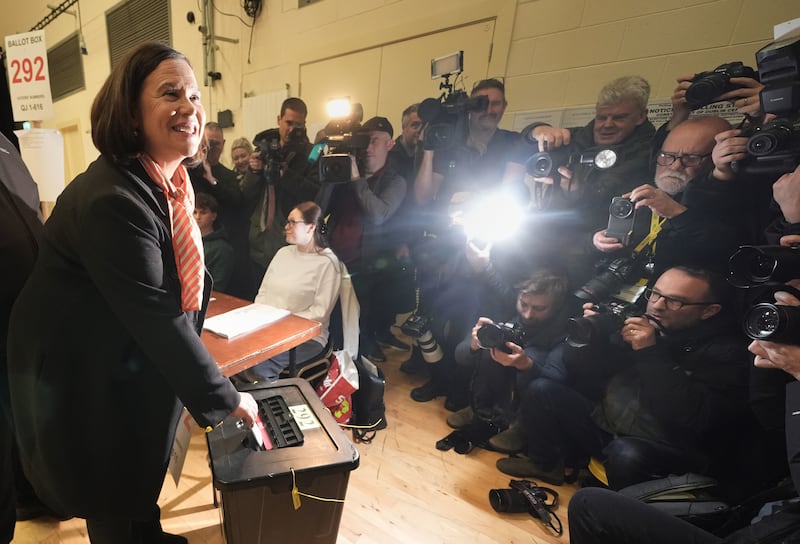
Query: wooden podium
[(242, 352)]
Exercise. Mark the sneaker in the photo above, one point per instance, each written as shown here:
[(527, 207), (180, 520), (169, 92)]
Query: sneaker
[(390, 341), (426, 392), (512, 440), (520, 467), (461, 418)]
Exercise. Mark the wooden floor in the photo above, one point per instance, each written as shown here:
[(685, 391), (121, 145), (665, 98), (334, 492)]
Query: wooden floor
[(404, 491)]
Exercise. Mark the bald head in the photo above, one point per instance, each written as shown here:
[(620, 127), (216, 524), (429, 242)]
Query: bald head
[(686, 152)]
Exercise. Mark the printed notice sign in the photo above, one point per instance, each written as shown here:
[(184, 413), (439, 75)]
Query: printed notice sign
[(28, 78)]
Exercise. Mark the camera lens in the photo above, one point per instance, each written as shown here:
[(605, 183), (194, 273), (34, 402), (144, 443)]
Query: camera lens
[(490, 336), (762, 321), (507, 501), (621, 208), (751, 266), (703, 91), (540, 165), (579, 331)]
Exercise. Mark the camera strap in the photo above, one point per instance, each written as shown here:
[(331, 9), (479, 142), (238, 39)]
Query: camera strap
[(537, 498), (650, 239)]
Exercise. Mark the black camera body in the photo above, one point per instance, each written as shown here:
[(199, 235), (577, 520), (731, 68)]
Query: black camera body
[(446, 118), (273, 155), (774, 148), (545, 164), (334, 165), (621, 219), (415, 326), (495, 335), (707, 86), (612, 277), (582, 331)]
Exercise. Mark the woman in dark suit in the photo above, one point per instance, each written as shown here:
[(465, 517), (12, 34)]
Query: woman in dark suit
[(104, 344)]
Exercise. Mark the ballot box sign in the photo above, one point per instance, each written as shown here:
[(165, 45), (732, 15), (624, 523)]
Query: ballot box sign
[(28, 77)]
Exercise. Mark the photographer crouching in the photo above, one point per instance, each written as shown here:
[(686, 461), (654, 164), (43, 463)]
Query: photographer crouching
[(505, 357), (661, 394)]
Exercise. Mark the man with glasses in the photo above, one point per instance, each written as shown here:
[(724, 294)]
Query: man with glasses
[(690, 213), (664, 394)]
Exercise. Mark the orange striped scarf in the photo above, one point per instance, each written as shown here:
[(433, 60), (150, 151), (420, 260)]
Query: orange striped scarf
[(187, 243)]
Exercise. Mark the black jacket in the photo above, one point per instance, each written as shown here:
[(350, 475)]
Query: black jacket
[(101, 356)]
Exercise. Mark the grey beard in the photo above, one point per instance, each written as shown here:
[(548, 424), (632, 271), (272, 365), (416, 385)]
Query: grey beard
[(671, 184)]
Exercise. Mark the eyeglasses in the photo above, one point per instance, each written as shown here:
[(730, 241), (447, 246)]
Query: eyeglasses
[(671, 303), (688, 161), (293, 222)]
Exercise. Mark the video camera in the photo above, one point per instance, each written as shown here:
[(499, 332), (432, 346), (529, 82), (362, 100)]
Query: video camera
[(334, 165), (495, 335), (707, 86), (446, 116), (767, 268), (774, 148)]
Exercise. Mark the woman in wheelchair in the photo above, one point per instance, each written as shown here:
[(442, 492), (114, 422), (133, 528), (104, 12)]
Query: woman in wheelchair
[(304, 278)]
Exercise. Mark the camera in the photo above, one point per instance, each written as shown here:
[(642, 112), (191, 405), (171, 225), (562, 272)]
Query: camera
[(268, 145), (418, 328), (773, 322), (621, 219), (774, 148), (707, 86), (752, 266), (613, 276), (582, 331), (334, 165), (446, 118), (524, 496), (495, 335)]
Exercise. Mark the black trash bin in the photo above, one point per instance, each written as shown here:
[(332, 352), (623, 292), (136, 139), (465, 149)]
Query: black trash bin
[(255, 487)]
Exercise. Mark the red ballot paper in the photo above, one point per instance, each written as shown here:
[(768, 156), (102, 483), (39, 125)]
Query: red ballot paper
[(260, 434)]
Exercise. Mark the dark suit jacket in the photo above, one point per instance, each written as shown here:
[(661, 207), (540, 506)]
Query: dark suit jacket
[(100, 351)]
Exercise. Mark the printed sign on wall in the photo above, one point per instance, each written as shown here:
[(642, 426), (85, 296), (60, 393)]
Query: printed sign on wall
[(28, 77)]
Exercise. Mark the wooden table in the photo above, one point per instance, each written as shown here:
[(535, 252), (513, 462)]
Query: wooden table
[(248, 350)]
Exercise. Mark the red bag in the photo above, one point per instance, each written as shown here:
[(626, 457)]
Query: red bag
[(337, 388)]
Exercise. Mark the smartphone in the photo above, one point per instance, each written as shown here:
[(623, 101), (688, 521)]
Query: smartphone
[(621, 217)]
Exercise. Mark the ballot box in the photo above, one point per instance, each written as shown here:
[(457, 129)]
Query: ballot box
[(262, 483)]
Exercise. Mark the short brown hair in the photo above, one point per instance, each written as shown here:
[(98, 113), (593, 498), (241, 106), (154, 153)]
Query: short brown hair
[(116, 106)]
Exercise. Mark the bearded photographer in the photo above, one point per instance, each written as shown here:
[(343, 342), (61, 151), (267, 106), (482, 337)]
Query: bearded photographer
[(502, 367), (662, 395), (270, 195), (686, 217)]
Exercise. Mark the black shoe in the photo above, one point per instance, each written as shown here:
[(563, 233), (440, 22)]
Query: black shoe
[(426, 392), (169, 538), (415, 364), (389, 341)]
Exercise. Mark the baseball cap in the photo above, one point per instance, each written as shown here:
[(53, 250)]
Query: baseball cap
[(377, 123)]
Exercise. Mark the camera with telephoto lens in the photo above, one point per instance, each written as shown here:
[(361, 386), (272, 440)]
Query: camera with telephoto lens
[(495, 335), (774, 148), (417, 327), (613, 276), (753, 266), (707, 86), (582, 331), (335, 164)]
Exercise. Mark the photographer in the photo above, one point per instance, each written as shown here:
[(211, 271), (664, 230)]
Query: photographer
[(502, 368), (271, 194), (361, 221), (677, 390), (691, 216), (598, 516)]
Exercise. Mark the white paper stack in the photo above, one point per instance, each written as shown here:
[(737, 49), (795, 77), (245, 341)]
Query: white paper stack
[(243, 320)]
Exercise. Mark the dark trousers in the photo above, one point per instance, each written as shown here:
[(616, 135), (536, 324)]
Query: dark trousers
[(600, 516), (560, 419), (493, 389), (631, 460), (125, 531)]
